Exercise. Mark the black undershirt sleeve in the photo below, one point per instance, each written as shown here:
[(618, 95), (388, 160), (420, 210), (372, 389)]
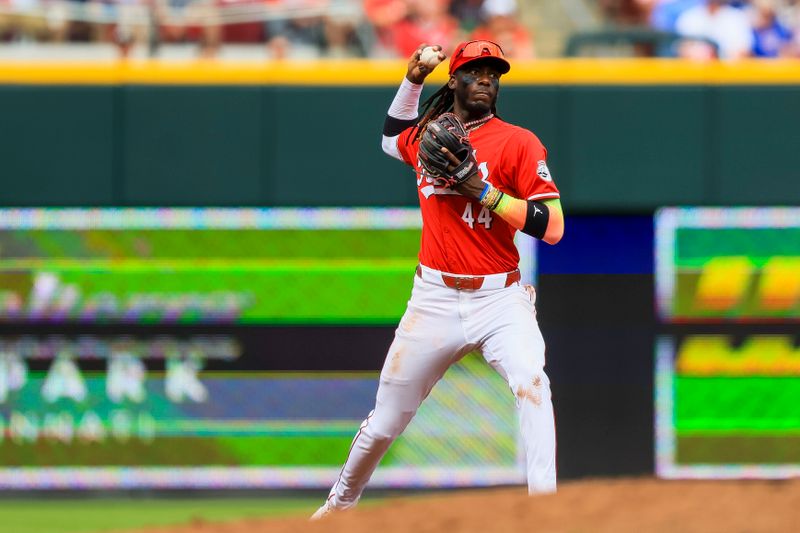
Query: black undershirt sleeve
[(536, 219), (395, 126)]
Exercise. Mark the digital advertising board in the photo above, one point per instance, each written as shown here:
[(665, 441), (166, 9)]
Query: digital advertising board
[(728, 373), (162, 348)]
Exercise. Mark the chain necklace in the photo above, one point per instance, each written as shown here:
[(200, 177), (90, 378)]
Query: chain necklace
[(475, 124)]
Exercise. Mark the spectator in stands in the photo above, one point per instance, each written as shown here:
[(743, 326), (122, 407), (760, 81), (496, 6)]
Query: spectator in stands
[(790, 13), (22, 21), (428, 21), (72, 20), (663, 14), (296, 33), (503, 27), (182, 21), (719, 22), (342, 37), (148, 23), (132, 25), (469, 13), (244, 26), (346, 32), (770, 37), (624, 12), (50, 21), (384, 15)]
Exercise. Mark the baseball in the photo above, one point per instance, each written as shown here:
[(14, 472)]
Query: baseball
[(429, 57)]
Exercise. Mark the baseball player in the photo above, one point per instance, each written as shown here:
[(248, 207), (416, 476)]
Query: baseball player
[(467, 295)]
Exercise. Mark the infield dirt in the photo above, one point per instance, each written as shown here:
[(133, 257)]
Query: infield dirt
[(620, 506)]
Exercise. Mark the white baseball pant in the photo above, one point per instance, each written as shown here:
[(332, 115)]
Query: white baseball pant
[(441, 325)]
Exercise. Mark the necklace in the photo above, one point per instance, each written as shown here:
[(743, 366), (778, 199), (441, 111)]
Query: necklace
[(475, 124)]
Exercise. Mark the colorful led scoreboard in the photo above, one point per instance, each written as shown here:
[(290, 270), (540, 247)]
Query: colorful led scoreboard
[(728, 370), (136, 348)]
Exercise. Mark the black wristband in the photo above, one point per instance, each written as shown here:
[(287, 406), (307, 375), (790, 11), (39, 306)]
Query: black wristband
[(395, 126), (536, 220)]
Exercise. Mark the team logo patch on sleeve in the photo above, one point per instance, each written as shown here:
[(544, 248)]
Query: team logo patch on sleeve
[(543, 171)]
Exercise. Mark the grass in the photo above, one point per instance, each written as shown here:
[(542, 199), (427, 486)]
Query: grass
[(106, 515)]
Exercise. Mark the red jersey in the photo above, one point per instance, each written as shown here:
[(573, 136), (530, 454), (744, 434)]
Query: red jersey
[(461, 236)]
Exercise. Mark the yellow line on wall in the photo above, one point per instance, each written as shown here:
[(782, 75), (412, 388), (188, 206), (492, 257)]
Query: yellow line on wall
[(360, 72)]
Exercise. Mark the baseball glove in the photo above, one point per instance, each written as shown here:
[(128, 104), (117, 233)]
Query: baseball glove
[(455, 165)]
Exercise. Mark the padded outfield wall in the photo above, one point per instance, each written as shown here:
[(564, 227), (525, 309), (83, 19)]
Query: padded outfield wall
[(627, 135)]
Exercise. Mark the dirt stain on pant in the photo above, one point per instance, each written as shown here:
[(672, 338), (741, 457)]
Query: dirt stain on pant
[(524, 394), (409, 322), (394, 362)]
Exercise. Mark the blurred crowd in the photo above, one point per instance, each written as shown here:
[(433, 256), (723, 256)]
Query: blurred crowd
[(288, 28), (728, 29)]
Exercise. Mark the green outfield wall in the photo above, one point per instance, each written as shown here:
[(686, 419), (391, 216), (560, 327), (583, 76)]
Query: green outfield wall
[(621, 143)]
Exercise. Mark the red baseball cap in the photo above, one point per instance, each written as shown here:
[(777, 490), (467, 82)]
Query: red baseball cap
[(473, 50)]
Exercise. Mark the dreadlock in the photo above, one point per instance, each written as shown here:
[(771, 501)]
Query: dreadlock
[(440, 102)]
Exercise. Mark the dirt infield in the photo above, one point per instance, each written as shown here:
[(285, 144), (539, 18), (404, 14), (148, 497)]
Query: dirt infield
[(620, 506)]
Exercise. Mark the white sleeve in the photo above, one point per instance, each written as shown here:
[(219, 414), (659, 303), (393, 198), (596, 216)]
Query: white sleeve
[(406, 102), (389, 145), (405, 106)]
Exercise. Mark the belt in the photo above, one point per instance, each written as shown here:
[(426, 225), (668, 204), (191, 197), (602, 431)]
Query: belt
[(472, 283)]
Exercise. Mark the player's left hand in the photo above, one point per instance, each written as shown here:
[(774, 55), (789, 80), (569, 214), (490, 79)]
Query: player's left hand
[(445, 151), (472, 187)]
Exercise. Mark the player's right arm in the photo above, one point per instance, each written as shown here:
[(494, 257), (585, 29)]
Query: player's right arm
[(404, 111)]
